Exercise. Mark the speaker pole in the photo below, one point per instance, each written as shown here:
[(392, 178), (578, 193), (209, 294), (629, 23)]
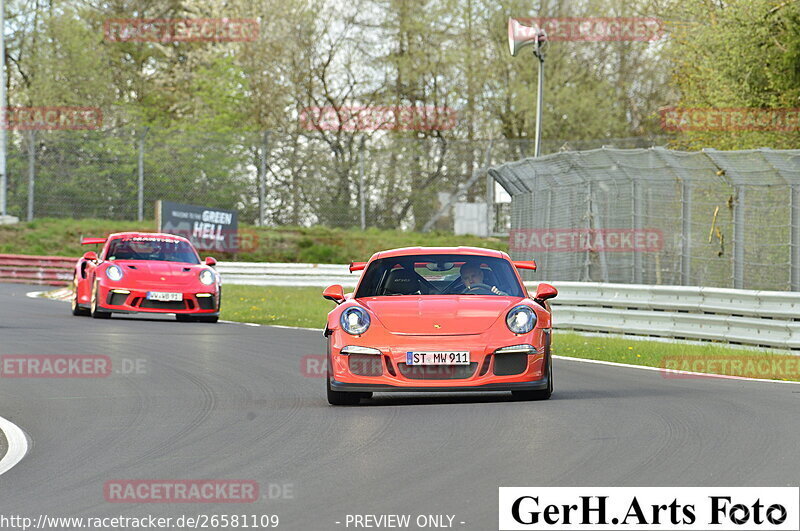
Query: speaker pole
[(538, 52), (519, 36)]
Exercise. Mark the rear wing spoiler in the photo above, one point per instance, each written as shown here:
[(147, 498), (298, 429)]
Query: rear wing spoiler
[(525, 264), (357, 266), (93, 241)]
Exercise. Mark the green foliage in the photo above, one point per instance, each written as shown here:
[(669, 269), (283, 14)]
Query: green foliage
[(61, 237), (737, 54)]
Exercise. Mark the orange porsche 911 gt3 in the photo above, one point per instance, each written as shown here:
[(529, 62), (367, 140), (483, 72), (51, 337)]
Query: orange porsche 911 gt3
[(439, 319)]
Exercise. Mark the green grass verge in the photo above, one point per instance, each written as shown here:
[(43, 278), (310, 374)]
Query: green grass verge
[(61, 237), (305, 307), (275, 305)]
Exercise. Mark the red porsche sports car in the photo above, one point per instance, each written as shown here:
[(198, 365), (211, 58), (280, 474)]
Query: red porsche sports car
[(146, 272), (439, 319)]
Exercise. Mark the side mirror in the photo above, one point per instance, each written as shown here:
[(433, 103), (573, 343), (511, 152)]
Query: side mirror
[(91, 256), (334, 293), (211, 261), (545, 291)]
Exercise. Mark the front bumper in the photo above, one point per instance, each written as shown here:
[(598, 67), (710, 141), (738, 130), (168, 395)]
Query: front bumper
[(539, 385), (114, 299), (490, 368)]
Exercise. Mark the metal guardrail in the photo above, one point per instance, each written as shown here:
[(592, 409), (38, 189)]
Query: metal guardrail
[(277, 274), (46, 270), (759, 318)]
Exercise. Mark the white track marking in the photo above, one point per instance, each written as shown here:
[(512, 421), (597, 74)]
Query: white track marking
[(598, 362), (17, 445), (297, 328), (274, 326), (581, 360), (672, 371), (61, 294)]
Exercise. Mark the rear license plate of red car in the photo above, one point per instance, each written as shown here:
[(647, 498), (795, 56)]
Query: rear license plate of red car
[(163, 296), (449, 357)]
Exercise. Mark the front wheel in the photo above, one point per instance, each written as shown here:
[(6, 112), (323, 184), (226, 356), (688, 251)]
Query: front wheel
[(543, 394), (96, 311), (339, 398), (77, 310)]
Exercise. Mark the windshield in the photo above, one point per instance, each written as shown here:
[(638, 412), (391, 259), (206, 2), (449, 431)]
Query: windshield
[(144, 248), (439, 274)]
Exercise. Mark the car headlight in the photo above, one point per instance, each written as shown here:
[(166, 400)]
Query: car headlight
[(114, 273), (521, 319), (355, 320), (207, 277)]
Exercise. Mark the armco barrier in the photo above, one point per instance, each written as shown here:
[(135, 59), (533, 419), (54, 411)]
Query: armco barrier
[(763, 318), (48, 270), (277, 274)]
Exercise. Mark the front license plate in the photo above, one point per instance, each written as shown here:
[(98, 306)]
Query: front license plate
[(163, 296), (460, 357)]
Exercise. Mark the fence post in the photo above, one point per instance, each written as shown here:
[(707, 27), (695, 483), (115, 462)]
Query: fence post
[(686, 232), (490, 205), (361, 191), (262, 181), (795, 230), (738, 239), (596, 226), (637, 226), (31, 171), (141, 175)]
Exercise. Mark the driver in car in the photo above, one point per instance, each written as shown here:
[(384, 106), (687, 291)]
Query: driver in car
[(145, 250), (472, 276)]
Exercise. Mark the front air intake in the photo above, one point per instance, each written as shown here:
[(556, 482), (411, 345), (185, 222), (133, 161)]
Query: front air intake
[(512, 363), (365, 365), (437, 372)]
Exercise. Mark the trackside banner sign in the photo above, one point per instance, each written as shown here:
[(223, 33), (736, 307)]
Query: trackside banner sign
[(209, 229), (650, 508)]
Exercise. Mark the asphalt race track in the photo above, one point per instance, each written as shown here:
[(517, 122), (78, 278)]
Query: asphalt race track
[(230, 401)]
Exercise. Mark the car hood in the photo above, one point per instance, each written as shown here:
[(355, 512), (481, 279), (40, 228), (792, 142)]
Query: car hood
[(153, 270), (454, 314)]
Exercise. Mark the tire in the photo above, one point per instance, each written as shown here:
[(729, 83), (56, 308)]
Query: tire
[(95, 311), (76, 309), (543, 394), (340, 398)]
